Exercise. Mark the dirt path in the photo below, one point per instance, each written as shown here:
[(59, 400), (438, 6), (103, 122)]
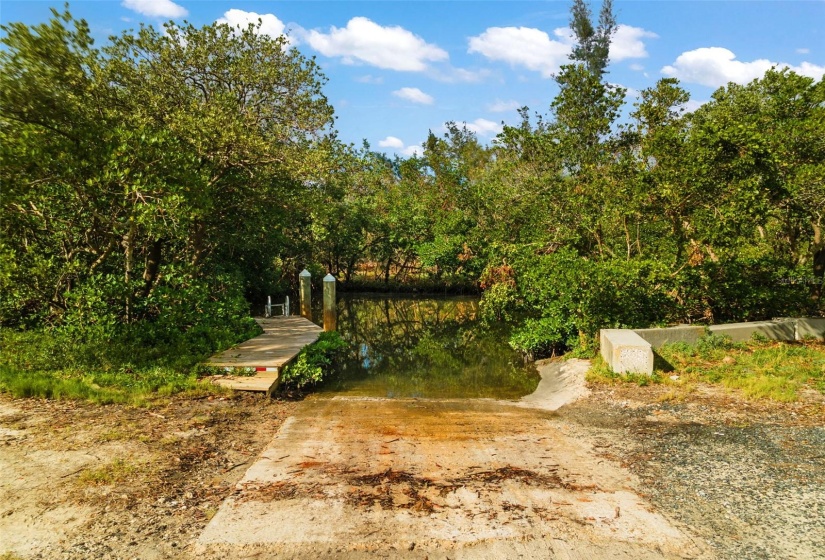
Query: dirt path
[(697, 473)]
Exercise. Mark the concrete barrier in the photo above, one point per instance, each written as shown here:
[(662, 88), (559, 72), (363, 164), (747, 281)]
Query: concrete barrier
[(810, 328), (657, 338), (625, 351), (742, 332)]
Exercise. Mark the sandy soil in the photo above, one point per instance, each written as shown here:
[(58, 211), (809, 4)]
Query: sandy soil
[(625, 472), (82, 481)]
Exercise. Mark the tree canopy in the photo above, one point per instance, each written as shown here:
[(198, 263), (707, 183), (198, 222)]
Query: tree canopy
[(170, 173), (152, 166)]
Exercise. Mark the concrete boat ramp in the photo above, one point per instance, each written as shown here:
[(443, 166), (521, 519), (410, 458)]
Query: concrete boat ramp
[(267, 354), (357, 478)]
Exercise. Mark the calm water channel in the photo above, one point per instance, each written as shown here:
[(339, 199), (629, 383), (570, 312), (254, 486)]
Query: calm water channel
[(427, 348)]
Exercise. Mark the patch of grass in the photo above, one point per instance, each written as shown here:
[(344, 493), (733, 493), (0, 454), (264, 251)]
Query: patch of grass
[(116, 471), (113, 435), (600, 372), (49, 365), (136, 388), (759, 368)]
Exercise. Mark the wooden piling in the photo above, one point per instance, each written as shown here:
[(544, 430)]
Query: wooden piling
[(330, 305), (305, 281)]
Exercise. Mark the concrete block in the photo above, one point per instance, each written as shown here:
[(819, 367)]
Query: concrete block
[(812, 327), (625, 351), (742, 332), (657, 338)]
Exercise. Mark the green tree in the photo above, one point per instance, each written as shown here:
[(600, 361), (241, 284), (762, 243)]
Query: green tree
[(592, 42), (163, 160), (763, 141)]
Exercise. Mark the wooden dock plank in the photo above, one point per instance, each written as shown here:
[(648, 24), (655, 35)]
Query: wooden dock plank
[(283, 338), (254, 383)]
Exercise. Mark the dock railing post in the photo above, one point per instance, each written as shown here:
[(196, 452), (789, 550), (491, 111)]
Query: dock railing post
[(305, 281), (330, 307)]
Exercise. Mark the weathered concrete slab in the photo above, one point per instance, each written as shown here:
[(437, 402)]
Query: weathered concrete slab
[(625, 351), (812, 327), (742, 332), (376, 478), (657, 338), (283, 338), (562, 382)]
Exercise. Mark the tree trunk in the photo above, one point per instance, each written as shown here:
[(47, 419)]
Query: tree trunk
[(198, 243), (627, 238), (818, 250), (150, 270), (128, 255)]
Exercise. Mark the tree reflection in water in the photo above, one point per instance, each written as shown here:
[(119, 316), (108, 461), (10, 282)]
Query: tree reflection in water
[(425, 347)]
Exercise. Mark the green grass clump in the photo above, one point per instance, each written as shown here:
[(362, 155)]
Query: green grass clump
[(136, 388), (51, 364), (759, 368), (112, 473), (600, 372)]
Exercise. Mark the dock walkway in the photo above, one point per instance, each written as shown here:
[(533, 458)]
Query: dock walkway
[(283, 338)]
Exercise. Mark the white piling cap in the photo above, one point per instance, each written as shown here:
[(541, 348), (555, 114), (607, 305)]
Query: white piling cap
[(305, 274), (329, 278)]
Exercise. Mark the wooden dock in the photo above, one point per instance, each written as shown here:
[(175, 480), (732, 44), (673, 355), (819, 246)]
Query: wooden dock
[(283, 338)]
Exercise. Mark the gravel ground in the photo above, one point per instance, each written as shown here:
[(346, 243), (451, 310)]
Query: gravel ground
[(747, 477), (88, 482)]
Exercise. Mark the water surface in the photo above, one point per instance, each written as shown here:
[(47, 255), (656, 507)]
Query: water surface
[(426, 348)]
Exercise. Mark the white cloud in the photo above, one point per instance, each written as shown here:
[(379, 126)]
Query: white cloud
[(803, 51), (397, 145), (452, 75), (483, 127), (522, 46), (414, 150), (627, 43), (629, 92), (363, 40), (807, 69), (370, 79), (636, 67), (270, 24), (499, 106), (391, 142), (692, 104), (414, 95), (155, 8), (716, 66)]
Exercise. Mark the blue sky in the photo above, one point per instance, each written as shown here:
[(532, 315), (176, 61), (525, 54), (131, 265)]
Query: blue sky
[(398, 69)]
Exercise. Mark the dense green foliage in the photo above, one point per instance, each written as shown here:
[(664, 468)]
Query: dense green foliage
[(141, 179), (136, 370), (315, 362), (156, 187)]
